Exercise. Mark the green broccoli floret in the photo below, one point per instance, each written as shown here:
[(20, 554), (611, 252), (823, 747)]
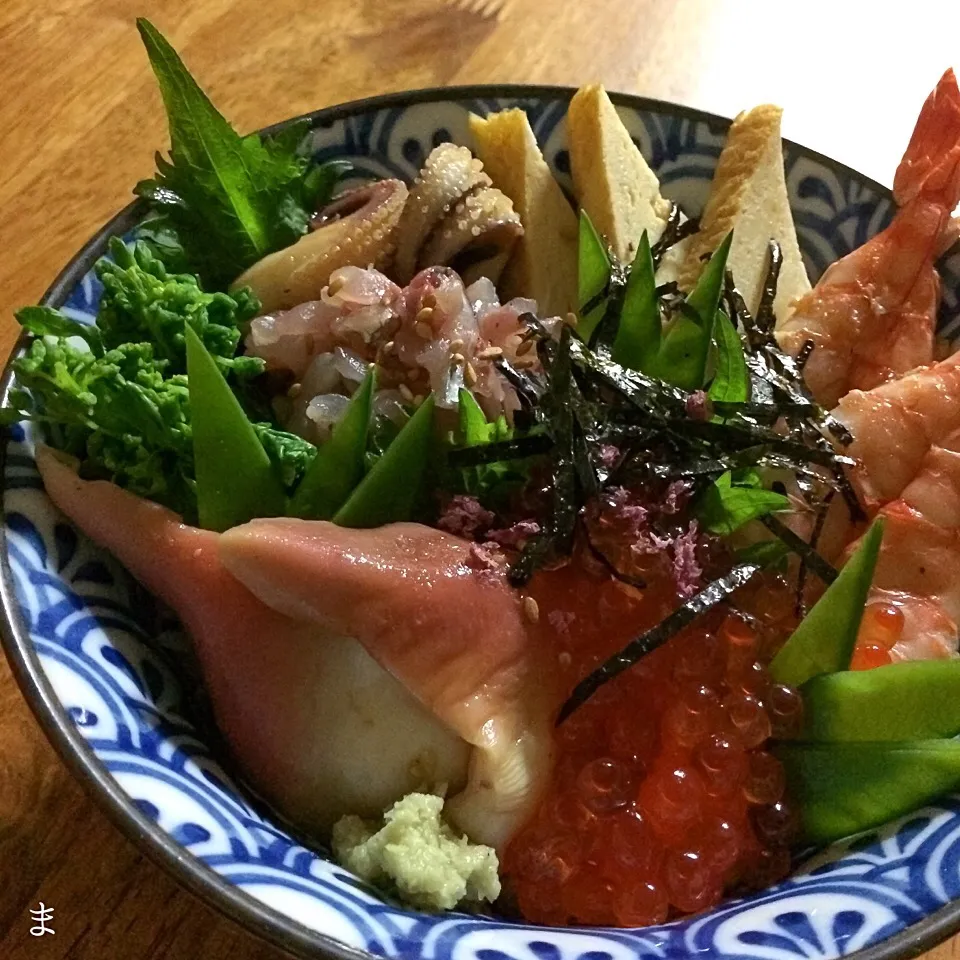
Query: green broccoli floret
[(142, 301), (118, 413), (115, 395)]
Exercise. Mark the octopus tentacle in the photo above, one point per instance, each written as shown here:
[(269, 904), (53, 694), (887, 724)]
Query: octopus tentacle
[(358, 229), (448, 174)]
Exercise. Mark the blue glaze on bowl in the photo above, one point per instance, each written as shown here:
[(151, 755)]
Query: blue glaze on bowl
[(112, 678)]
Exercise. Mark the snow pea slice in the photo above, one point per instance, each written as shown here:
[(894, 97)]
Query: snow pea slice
[(824, 640), (704, 298), (682, 359), (472, 421), (593, 273), (389, 492), (638, 336), (919, 700), (235, 479), (843, 788), (731, 382), (338, 466)]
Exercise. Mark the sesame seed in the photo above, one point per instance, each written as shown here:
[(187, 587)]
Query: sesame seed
[(334, 287), (405, 392), (425, 314), (456, 344), (294, 390), (423, 330), (389, 347), (429, 300), (522, 363), (417, 400), (488, 353), (525, 347), (457, 357), (531, 609), (571, 319), (469, 375)]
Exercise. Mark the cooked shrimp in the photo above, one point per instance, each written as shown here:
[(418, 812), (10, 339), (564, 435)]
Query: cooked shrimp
[(914, 604), (872, 315), (910, 450), (896, 425)]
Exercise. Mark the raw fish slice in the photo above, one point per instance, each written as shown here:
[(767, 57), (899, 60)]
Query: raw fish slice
[(319, 728), (453, 635)]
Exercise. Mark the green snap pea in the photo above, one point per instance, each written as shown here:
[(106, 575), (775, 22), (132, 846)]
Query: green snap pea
[(638, 335), (389, 492), (824, 640), (731, 381), (472, 421), (593, 275), (235, 479), (918, 700), (682, 359), (338, 465), (843, 788)]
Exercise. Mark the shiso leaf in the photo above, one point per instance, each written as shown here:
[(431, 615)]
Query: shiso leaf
[(726, 506)]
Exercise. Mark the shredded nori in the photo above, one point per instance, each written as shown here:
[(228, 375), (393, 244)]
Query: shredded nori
[(821, 517), (584, 399), (824, 570), (708, 598), (527, 385), (676, 229), (519, 448), (765, 315)]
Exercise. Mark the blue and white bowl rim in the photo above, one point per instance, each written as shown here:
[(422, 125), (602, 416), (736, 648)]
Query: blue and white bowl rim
[(79, 757)]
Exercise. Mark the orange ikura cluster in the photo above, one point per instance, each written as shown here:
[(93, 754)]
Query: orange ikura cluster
[(664, 795), (880, 629)]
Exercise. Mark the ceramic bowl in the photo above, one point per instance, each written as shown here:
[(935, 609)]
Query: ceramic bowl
[(109, 675)]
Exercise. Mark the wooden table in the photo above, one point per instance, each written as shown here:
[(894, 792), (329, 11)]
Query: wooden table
[(81, 120)]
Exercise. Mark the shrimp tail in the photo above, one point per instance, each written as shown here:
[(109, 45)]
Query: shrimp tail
[(930, 168)]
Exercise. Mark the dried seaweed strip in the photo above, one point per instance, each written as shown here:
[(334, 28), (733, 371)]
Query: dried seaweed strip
[(765, 316), (519, 448), (528, 386), (708, 598), (818, 523), (676, 229), (824, 570)]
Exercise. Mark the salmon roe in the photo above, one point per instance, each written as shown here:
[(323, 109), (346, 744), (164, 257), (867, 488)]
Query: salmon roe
[(880, 628), (663, 795)]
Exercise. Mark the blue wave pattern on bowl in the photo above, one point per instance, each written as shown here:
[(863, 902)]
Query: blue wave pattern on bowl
[(124, 673)]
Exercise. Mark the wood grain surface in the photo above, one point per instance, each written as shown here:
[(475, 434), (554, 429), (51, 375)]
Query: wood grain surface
[(80, 121)]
